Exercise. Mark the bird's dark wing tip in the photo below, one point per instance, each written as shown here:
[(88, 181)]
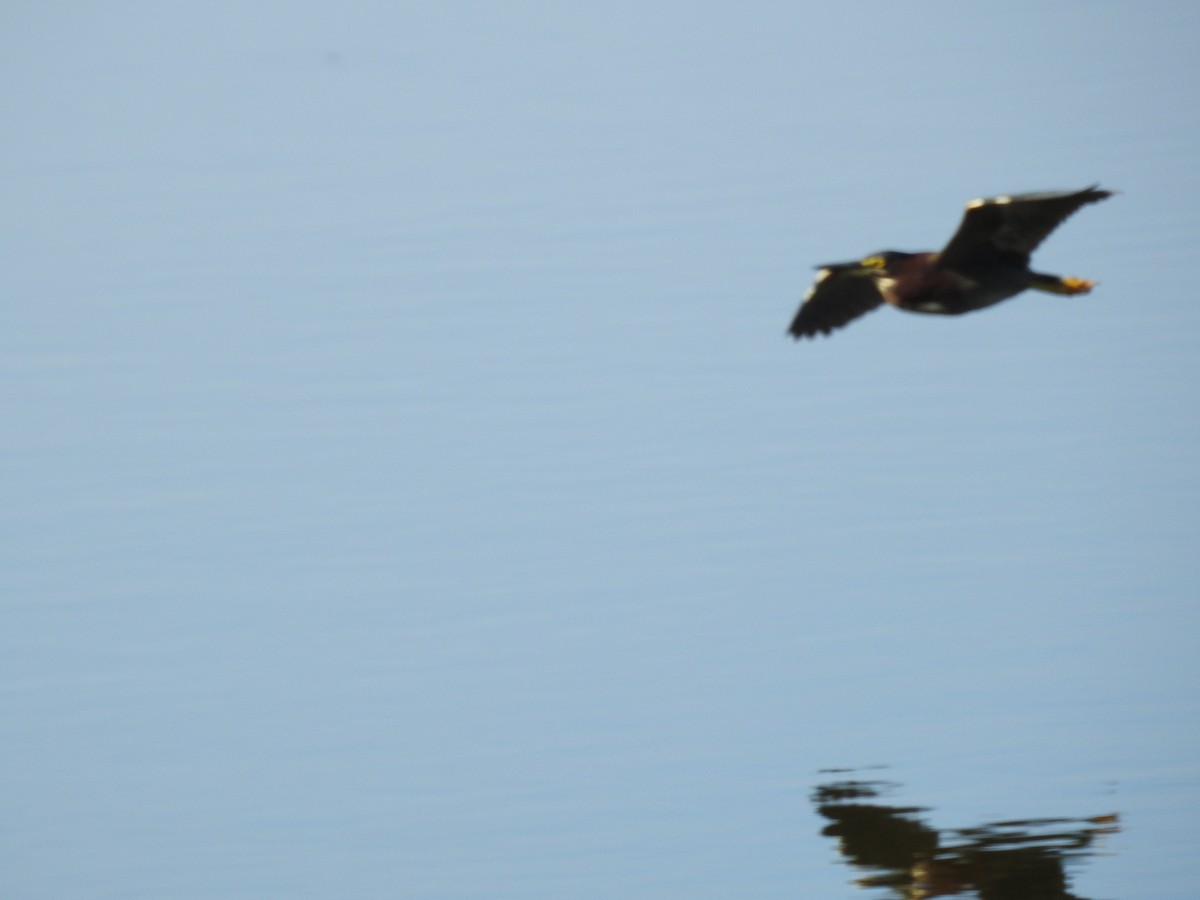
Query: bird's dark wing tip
[(1094, 193), (796, 333)]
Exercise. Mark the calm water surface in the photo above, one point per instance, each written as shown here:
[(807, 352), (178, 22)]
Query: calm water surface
[(409, 492)]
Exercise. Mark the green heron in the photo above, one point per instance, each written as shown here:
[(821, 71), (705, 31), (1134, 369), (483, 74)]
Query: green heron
[(985, 262)]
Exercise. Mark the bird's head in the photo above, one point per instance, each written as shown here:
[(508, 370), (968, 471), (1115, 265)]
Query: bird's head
[(885, 261), (876, 265)]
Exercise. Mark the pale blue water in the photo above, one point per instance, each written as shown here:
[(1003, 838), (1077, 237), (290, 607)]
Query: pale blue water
[(409, 491)]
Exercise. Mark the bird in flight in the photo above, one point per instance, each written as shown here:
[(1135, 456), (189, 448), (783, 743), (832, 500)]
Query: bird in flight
[(986, 261)]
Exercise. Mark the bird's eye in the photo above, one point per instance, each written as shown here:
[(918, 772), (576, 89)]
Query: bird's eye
[(875, 262)]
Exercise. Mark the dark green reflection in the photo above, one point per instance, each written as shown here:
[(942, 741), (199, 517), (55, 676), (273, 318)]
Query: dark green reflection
[(1022, 859)]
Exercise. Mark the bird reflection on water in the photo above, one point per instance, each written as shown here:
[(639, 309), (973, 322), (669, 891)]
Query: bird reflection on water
[(1009, 860)]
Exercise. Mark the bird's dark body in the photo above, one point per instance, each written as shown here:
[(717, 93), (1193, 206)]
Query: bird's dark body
[(933, 289), (985, 262)]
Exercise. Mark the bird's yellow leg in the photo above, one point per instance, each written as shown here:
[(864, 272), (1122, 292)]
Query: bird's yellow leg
[(1052, 284)]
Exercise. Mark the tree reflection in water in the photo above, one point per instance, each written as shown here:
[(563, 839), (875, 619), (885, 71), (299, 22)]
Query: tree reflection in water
[(1023, 859)]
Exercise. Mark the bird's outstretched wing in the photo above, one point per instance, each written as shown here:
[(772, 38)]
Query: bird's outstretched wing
[(1008, 229), (841, 292)]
